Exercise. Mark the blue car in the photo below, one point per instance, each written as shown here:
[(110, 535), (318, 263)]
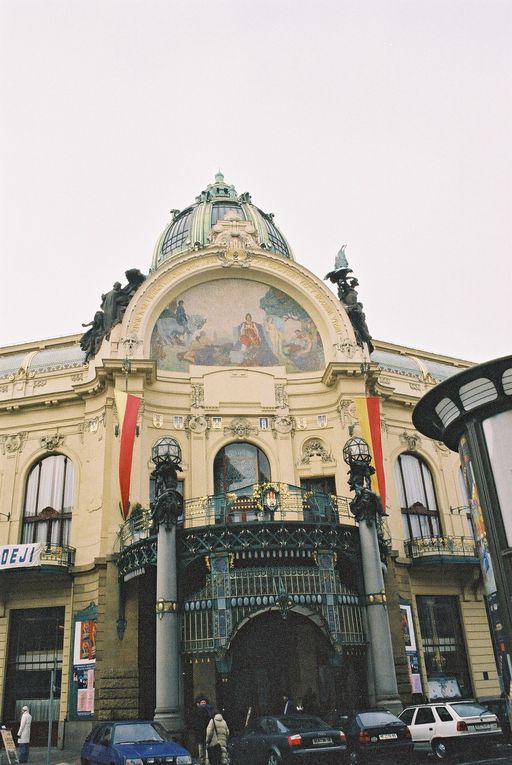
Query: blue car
[(134, 742)]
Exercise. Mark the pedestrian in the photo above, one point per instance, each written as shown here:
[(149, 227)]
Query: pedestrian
[(24, 734), (199, 719), (289, 707), (217, 734)]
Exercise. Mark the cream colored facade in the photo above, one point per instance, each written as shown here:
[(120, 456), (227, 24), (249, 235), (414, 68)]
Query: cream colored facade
[(51, 402)]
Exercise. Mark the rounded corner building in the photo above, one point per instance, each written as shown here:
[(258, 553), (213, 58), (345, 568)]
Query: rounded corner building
[(177, 517)]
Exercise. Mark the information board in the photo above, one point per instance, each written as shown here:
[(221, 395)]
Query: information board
[(10, 746)]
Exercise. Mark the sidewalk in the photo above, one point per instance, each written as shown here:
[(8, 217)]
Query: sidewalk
[(39, 756)]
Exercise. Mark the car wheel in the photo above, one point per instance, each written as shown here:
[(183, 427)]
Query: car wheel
[(440, 749), (273, 759)]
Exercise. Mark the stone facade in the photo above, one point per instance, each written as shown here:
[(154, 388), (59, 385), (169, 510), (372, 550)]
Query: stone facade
[(289, 391)]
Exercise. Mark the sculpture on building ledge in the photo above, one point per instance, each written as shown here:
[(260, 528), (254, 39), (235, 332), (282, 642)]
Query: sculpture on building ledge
[(347, 294), (113, 305)]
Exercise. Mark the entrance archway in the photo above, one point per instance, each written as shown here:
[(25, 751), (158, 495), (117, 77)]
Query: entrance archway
[(272, 656)]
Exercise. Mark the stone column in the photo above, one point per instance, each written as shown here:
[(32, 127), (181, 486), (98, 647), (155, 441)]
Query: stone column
[(167, 508), (381, 649), (167, 709), (367, 508)]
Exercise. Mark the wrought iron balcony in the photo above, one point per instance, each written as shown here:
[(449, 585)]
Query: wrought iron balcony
[(58, 555), (444, 548), (262, 503)]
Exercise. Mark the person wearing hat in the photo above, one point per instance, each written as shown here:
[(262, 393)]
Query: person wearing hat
[(24, 734)]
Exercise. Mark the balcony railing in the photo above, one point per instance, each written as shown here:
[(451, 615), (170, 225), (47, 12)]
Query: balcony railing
[(58, 555), (445, 547), (273, 502)]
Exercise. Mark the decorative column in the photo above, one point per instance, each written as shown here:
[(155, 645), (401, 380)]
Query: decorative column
[(366, 507), (167, 507)]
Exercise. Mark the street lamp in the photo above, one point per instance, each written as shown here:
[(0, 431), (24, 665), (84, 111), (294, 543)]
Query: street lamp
[(166, 509), (366, 506)]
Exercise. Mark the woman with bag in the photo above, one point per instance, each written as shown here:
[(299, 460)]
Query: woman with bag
[(217, 734)]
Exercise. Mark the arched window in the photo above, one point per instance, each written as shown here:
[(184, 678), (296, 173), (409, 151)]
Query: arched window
[(417, 498), (49, 501), (237, 465)]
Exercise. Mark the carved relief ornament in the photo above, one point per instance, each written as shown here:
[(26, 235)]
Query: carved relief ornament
[(241, 428), (51, 442), (235, 237), (13, 443), (315, 447)]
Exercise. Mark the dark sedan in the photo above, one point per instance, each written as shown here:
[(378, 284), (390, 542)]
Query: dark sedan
[(287, 739), (376, 735), (136, 742)]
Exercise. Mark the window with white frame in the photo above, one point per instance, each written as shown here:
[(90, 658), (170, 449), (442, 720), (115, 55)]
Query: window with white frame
[(49, 498), (417, 497)]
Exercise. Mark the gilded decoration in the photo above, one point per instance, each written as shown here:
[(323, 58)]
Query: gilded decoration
[(236, 322)]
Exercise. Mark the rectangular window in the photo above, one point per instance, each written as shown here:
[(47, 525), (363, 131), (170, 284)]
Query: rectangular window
[(35, 650)]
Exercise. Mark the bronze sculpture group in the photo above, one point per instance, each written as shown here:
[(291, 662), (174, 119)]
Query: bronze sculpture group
[(347, 294), (113, 307)]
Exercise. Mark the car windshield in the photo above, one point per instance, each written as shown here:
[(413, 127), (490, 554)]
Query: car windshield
[(469, 709), (301, 724), (136, 732), (377, 718)]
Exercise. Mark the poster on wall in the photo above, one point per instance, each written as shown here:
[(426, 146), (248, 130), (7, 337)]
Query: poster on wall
[(84, 679), (84, 667), (407, 627), (413, 664), (85, 642)]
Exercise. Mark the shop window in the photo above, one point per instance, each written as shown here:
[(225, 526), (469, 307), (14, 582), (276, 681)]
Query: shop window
[(443, 647), (417, 498), (49, 501), (238, 465)]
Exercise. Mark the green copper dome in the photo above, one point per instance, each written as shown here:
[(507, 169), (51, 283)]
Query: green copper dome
[(190, 228)]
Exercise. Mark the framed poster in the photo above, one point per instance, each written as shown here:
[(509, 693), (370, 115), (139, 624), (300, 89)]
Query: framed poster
[(83, 668), (408, 628)]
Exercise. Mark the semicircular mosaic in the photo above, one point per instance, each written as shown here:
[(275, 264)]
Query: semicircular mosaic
[(236, 322)]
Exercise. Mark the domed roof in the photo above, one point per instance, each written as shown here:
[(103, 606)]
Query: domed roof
[(190, 228)]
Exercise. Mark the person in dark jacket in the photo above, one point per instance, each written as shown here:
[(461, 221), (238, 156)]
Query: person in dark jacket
[(199, 718)]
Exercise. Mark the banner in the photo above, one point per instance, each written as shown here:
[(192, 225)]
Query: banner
[(127, 412), (368, 414), (20, 556)]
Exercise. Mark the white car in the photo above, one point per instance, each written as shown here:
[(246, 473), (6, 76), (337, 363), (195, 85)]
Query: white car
[(445, 727)]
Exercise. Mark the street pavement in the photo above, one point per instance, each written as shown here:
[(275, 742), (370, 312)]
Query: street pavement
[(39, 756)]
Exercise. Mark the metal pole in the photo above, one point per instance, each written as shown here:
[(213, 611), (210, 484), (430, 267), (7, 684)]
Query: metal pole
[(50, 711)]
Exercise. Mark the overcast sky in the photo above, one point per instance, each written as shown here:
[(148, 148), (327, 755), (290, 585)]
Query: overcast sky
[(382, 124)]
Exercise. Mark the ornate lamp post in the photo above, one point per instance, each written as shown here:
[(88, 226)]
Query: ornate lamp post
[(167, 507), (366, 507)]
